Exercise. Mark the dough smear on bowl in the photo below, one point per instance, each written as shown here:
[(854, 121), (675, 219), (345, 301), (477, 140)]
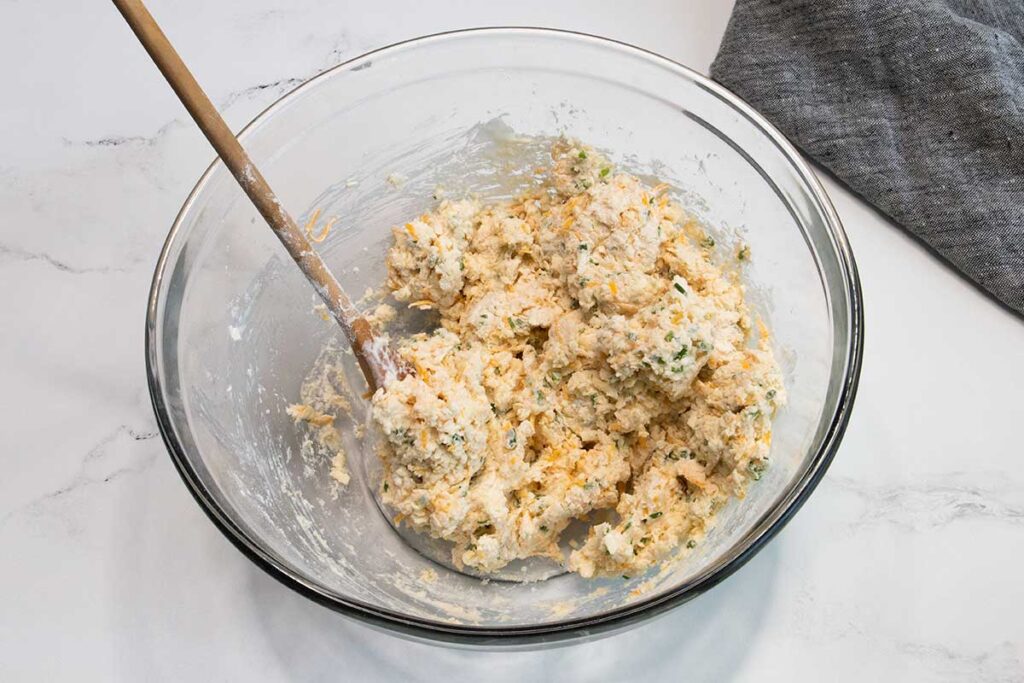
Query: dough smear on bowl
[(595, 361)]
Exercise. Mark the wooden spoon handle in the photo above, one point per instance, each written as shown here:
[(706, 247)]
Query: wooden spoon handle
[(374, 357)]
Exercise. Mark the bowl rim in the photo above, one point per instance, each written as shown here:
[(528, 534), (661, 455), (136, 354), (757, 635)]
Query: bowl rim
[(769, 525)]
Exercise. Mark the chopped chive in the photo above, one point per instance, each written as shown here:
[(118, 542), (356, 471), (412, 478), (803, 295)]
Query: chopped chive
[(670, 336), (584, 246), (582, 154), (679, 288), (605, 171), (626, 577), (756, 469), (770, 395), (691, 544), (655, 515), (543, 528), (385, 487), (628, 524)]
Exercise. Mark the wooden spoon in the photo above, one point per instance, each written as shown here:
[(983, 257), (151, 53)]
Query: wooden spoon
[(378, 361)]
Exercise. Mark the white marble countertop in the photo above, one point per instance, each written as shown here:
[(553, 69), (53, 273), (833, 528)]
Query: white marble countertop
[(902, 566)]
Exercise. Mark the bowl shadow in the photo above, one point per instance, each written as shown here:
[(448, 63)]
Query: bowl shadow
[(707, 639)]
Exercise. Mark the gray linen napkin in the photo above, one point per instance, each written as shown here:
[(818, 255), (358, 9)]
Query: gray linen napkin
[(917, 105)]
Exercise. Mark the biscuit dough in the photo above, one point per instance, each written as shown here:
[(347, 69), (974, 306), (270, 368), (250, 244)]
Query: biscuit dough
[(595, 361)]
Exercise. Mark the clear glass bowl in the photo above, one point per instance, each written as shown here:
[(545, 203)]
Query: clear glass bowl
[(231, 332)]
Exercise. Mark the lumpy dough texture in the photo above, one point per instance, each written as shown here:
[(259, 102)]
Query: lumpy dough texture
[(592, 362)]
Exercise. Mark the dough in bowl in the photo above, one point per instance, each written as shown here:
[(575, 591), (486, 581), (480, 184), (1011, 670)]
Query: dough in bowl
[(595, 361)]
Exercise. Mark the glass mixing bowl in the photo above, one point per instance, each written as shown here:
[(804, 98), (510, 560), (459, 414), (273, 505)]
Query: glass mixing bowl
[(231, 331)]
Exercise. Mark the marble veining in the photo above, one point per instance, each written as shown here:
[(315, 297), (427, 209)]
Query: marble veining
[(934, 502)]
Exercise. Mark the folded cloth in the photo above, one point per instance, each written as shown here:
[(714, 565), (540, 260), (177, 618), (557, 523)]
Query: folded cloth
[(917, 105)]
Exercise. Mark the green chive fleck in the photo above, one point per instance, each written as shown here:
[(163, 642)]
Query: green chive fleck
[(605, 171), (582, 154), (756, 469), (679, 288), (670, 336), (655, 515)]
